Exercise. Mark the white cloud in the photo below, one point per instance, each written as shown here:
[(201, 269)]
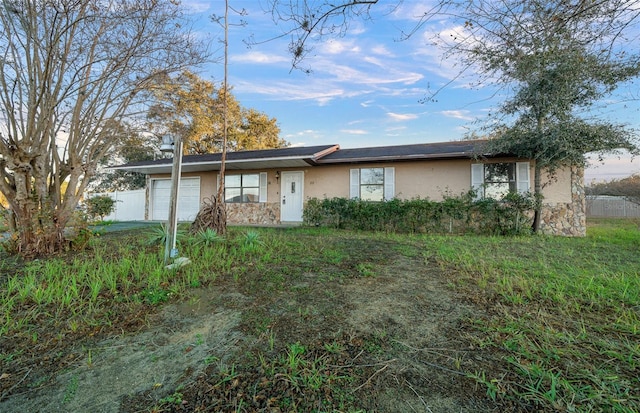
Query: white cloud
[(413, 10), (196, 6), (340, 47), (375, 61), (400, 117), (353, 75), (382, 51), (292, 91), (301, 138), (354, 131), (457, 114), (258, 58), (433, 62), (395, 129), (462, 130), (612, 167), (330, 80)]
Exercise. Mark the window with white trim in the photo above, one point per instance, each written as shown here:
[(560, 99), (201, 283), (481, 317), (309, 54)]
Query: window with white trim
[(245, 188), (372, 184), (495, 180)]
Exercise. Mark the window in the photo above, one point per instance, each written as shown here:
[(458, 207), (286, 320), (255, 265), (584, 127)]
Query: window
[(499, 179), (245, 188), (495, 180), (372, 184)]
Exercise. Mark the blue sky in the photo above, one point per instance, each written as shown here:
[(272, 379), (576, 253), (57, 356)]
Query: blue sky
[(366, 88)]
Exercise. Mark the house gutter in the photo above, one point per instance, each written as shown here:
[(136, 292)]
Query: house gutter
[(310, 161)]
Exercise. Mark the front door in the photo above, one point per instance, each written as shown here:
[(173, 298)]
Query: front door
[(291, 197)]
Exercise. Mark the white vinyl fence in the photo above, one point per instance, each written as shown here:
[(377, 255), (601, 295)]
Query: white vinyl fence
[(130, 205), (612, 206)]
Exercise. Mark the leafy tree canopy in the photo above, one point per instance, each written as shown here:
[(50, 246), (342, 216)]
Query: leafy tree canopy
[(193, 107), (557, 73), (551, 55)]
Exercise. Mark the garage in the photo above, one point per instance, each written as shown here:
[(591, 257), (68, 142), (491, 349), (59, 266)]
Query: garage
[(188, 201)]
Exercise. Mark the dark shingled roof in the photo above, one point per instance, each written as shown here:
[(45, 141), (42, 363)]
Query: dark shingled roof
[(440, 150), (313, 155), (310, 152)]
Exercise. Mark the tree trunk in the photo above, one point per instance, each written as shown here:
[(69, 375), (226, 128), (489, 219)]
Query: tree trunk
[(39, 221), (38, 234), (537, 192)]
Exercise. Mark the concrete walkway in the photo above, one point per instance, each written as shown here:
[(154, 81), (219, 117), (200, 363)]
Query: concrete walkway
[(125, 226), (129, 225)]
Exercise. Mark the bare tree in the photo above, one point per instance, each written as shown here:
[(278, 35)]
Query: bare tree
[(72, 73)]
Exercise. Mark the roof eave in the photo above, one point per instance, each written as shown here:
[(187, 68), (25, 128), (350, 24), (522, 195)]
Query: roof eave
[(264, 163), (390, 158)]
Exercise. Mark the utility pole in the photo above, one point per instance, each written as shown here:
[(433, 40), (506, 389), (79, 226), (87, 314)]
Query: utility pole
[(170, 250)]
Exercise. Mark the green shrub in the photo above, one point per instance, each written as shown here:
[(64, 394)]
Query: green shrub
[(454, 214), (157, 235), (100, 206), (208, 237)]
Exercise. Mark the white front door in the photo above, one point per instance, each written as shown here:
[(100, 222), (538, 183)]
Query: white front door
[(291, 196)]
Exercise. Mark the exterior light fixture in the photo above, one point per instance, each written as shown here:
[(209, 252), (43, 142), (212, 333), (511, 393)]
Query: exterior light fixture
[(167, 144)]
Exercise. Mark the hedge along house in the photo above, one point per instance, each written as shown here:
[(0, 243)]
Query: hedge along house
[(269, 187)]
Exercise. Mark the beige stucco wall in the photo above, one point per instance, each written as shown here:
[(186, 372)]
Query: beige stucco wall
[(422, 179), (412, 180), (427, 179), (556, 189)]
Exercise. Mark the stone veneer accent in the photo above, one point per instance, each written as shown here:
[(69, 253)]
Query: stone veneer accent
[(567, 219), (263, 213)]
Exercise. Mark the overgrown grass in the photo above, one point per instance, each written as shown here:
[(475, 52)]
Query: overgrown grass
[(559, 317), (564, 314), (81, 289)]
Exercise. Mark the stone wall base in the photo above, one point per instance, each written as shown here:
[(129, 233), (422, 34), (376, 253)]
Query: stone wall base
[(568, 219), (563, 219), (254, 214)]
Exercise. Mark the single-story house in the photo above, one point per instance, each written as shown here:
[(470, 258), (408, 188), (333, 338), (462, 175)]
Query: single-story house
[(270, 186)]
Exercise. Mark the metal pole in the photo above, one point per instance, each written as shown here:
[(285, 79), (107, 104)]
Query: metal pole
[(172, 221), (174, 250)]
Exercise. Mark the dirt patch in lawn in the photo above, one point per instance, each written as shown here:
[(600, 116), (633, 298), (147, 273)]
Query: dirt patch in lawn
[(376, 327), (171, 351)]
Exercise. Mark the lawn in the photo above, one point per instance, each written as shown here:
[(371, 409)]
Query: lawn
[(311, 319)]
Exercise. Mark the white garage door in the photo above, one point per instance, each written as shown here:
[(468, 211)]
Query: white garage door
[(188, 202)]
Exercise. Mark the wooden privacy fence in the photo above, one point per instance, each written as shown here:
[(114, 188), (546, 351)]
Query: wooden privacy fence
[(612, 207)]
